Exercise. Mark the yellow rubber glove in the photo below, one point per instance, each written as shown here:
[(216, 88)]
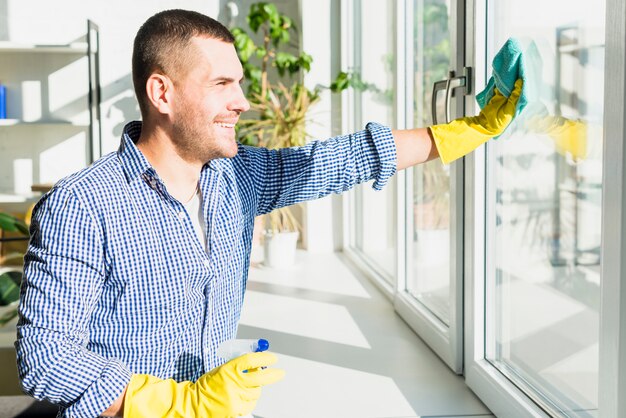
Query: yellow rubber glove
[(569, 136), (462, 136), (224, 392)]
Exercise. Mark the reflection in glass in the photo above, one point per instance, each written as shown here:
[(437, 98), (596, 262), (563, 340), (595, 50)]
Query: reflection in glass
[(544, 194), (376, 218), (429, 280)]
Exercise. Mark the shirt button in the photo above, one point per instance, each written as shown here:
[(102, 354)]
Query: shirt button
[(207, 263), (181, 215)]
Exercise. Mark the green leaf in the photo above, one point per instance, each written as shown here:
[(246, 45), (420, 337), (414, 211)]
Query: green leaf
[(255, 20), (254, 89), (12, 224), (23, 228), (286, 22), (244, 45), (261, 52), (236, 31), (284, 61), (241, 38), (261, 13), (254, 73), (10, 287), (305, 61), (314, 95), (7, 222), (270, 11), (341, 83), (250, 139), (357, 83)]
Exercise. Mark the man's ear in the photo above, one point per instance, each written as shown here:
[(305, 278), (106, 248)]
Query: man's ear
[(159, 90)]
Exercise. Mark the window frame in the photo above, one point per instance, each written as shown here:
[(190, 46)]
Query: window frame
[(500, 395), (351, 47), (612, 385)]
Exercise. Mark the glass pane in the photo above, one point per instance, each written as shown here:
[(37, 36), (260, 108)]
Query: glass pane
[(429, 281), (544, 194), (376, 217)]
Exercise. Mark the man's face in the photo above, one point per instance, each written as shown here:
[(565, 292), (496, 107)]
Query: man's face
[(208, 101)]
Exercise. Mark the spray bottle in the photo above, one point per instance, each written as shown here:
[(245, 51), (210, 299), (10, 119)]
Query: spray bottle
[(230, 349)]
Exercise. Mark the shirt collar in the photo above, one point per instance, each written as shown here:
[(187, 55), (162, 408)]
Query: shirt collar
[(136, 165), (133, 161)]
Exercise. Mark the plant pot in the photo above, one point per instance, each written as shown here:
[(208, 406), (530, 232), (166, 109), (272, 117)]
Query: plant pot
[(256, 252), (280, 249)]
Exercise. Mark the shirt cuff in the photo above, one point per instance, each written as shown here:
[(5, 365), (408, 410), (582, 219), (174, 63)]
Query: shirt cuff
[(385, 147), (103, 392)]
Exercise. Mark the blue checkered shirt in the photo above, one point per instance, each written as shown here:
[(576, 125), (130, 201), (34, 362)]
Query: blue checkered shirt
[(117, 282)]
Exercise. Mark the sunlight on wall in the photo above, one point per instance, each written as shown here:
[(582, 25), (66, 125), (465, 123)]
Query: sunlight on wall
[(68, 90), (63, 158)]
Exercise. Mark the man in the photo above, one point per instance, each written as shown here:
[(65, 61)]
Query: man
[(137, 265)]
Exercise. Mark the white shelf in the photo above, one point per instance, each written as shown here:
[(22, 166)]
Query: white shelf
[(19, 122), (15, 198), (67, 77), (73, 48)]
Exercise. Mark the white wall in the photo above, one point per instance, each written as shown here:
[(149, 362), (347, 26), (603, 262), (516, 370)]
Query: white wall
[(320, 38), (62, 21), (32, 21), (45, 153)]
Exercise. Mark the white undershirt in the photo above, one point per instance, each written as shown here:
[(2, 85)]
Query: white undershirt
[(194, 209)]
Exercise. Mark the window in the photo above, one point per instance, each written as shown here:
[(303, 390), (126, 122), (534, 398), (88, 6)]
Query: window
[(544, 208), (374, 214), (429, 276)]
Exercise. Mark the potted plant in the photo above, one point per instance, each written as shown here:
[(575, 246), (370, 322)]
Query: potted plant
[(10, 265), (279, 106)]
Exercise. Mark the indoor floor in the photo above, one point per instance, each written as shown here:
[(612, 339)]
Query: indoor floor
[(345, 352)]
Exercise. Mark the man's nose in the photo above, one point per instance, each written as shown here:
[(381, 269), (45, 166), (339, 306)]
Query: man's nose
[(240, 103)]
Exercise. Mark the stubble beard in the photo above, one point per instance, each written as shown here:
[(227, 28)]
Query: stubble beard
[(196, 140)]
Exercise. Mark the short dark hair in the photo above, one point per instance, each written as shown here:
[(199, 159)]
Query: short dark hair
[(162, 42)]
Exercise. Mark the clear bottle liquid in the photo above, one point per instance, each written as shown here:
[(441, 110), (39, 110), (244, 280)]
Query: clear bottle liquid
[(230, 349)]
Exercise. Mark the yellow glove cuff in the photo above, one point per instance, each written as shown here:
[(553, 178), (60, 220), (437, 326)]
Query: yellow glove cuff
[(454, 140), (148, 396)]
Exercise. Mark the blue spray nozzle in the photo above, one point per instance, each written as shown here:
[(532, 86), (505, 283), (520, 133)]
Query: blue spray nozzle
[(263, 345)]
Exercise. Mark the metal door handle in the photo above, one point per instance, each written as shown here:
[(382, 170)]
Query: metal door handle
[(449, 85)]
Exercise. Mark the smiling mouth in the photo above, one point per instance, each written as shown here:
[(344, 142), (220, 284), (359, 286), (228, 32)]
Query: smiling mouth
[(225, 125)]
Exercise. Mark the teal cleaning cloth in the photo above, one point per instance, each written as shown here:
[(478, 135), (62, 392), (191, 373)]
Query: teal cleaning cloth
[(513, 61)]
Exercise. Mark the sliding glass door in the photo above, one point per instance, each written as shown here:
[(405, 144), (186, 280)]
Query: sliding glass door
[(535, 245), (508, 263), (544, 195), (410, 235), (373, 214), (430, 296)]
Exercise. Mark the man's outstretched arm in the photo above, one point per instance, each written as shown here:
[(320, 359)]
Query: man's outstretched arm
[(459, 137), (414, 146)]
